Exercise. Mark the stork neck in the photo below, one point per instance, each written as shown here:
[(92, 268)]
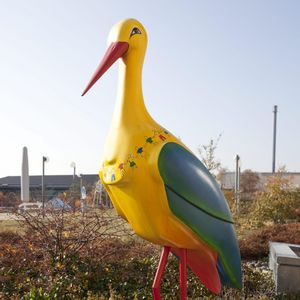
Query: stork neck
[(130, 105)]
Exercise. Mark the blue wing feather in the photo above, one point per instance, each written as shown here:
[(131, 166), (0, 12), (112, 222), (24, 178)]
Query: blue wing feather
[(195, 198)]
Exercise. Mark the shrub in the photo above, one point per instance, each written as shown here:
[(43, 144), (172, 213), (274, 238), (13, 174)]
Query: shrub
[(127, 273), (102, 268), (54, 253), (63, 235), (229, 196), (278, 202), (256, 244)]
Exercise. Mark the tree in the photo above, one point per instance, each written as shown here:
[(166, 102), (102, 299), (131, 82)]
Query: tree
[(249, 182), (221, 172), (208, 155), (9, 200)]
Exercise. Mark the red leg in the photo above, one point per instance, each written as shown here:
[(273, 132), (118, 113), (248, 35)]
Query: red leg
[(159, 272), (182, 274)]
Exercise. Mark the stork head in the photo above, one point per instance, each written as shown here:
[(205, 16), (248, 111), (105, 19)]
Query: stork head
[(127, 40)]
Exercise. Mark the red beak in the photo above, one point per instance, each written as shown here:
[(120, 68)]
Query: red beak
[(114, 51)]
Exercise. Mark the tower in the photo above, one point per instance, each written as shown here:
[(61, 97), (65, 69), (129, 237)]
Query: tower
[(25, 177)]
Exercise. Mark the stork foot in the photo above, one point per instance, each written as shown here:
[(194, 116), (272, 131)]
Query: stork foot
[(159, 272), (161, 268), (182, 274)]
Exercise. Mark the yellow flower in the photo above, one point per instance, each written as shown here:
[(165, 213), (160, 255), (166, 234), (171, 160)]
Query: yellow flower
[(30, 246), (59, 265), (66, 234)]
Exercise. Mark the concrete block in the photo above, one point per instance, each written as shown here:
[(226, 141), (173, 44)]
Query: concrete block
[(284, 260)]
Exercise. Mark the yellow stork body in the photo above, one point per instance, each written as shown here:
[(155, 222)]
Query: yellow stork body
[(137, 170)]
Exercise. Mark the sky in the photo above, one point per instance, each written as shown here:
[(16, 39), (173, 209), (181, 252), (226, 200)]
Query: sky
[(211, 67)]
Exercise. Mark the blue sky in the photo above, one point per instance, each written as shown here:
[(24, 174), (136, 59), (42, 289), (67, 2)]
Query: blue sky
[(211, 67)]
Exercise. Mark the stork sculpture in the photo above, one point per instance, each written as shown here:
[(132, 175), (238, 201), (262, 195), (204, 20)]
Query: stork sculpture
[(157, 184)]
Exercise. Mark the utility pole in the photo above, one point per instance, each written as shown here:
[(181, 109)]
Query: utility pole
[(237, 183), (274, 138)]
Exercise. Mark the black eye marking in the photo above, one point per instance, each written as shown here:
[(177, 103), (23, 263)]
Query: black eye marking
[(134, 31)]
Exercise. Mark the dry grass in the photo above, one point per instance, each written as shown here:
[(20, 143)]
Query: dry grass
[(10, 225), (10, 222)]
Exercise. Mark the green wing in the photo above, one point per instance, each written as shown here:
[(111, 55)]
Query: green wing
[(185, 175), (196, 199)]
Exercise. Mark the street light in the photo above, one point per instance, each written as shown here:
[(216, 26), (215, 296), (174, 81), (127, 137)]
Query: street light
[(73, 165), (45, 159)]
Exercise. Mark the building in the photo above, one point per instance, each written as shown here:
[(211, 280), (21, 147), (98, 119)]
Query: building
[(227, 180), (54, 184)]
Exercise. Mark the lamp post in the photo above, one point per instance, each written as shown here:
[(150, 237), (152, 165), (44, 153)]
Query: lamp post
[(73, 165), (45, 159)]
